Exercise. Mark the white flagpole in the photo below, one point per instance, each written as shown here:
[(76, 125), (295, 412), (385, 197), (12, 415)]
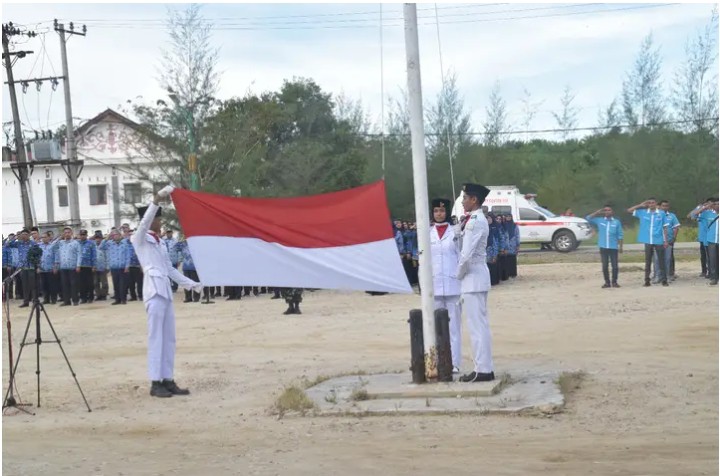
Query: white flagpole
[(422, 214)]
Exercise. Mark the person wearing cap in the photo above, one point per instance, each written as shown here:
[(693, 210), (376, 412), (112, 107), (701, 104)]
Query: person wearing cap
[(444, 248), (101, 268), (86, 270), (610, 242), (474, 276), (158, 298)]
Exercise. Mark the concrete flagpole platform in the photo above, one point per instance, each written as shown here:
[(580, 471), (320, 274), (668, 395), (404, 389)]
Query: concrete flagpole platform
[(516, 392)]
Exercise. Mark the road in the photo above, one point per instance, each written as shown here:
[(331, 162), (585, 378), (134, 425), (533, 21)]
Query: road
[(686, 245)]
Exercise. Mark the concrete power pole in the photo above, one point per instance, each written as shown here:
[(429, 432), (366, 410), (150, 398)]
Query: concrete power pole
[(70, 148), (422, 204), (22, 175)]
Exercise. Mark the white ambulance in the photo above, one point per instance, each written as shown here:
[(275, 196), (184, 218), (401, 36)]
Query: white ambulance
[(537, 225)]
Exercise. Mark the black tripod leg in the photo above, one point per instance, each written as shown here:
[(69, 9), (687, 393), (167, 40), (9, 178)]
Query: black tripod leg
[(38, 342), (72, 372), (6, 402)]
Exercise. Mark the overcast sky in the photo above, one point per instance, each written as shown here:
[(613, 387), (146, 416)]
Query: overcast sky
[(538, 47)]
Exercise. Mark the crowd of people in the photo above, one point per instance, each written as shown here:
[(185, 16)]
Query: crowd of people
[(658, 231), (75, 269)]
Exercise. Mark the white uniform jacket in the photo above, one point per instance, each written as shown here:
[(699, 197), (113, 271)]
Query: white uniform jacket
[(155, 262), (472, 267), (445, 252)]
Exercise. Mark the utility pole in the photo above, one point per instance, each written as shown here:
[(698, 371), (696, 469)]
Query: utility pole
[(22, 175), (70, 149), (422, 214)]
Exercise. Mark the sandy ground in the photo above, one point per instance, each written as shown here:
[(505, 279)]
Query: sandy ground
[(649, 405)]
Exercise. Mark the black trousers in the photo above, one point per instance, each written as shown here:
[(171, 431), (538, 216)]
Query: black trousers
[(712, 262), (494, 275), (660, 251), (512, 265), (29, 285), (609, 257), (87, 284), (502, 263), (18, 285), (192, 295), (48, 281), (69, 284), (703, 258), (119, 280), (135, 282)]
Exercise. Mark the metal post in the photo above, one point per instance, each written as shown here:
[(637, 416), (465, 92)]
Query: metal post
[(417, 358), (422, 217), (442, 327), (19, 145), (70, 150)]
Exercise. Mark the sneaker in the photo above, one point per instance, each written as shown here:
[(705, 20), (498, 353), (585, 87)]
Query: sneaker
[(478, 377), (157, 389), (172, 387), (605, 286), (615, 285)]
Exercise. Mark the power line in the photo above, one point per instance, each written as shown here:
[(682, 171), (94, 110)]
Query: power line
[(393, 23)]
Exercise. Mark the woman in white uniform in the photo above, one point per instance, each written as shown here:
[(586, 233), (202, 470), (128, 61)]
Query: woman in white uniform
[(444, 249)]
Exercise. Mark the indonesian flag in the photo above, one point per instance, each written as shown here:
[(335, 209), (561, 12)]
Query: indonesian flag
[(340, 240)]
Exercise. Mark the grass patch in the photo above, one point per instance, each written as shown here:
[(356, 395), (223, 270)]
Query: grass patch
[(292, 399), (570, 382), (307, 383), (359, 394)]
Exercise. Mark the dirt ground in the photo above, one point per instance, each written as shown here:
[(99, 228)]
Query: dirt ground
[(649, 404)]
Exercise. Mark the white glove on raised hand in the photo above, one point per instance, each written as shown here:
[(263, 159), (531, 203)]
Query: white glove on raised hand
[(166, 191)]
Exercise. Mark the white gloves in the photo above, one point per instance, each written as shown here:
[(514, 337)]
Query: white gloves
[(198, 288), (166, 191), (457, 229)]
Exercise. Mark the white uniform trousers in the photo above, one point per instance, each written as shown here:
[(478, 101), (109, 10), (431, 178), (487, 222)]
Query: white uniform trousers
[(475, 305), (161, 337), (452, 304)]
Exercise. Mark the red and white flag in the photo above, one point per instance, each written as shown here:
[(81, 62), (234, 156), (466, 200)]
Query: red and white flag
[(340, 240)]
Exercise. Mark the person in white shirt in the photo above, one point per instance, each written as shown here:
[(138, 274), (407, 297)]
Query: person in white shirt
[(444, 250), (157, 296)]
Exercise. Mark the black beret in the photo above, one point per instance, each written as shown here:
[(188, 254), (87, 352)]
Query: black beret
[(142, 210), (476, 190), (441, 203)]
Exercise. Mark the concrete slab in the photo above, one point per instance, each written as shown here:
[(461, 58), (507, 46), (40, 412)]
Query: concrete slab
[(394, 394)]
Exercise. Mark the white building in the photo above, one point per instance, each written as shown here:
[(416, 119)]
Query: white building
[(109, 185)]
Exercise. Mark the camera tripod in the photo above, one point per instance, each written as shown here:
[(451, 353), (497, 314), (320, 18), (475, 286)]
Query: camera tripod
[(35, 313)]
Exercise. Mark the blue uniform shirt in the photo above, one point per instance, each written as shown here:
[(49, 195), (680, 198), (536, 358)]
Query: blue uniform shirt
[(651, 226), (711, 233), (7, 259), (67, 254), (134, 261), (610, 231), (101, 263), (187, 261), (172, 252), (47, 262), (22, 248), (117, 253), (88, 253), (673, 223)]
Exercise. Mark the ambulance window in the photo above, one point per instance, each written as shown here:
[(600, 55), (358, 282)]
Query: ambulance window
[(528, 214), (501, 210)]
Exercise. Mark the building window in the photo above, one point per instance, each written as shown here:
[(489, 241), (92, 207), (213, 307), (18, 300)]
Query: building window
[(62, 196), (133, 193), (98, 194)]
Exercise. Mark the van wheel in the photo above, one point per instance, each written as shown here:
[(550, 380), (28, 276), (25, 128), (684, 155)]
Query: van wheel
[(564, 241)]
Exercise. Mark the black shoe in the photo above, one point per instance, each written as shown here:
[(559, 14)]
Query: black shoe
[(477, 377), (297, 308), (54, 301), (64, 304), (290, 310), (605, 286), (647, 283), (188, 300), (75, 304), (25, 304), (615, 285), (172, 387), (46, 301), (115, 303), (275, 297), (665, 283), (713, 282), (157, 389)]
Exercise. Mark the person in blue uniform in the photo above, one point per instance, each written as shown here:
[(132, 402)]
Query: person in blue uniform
[(653, 234), (610, 242)]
